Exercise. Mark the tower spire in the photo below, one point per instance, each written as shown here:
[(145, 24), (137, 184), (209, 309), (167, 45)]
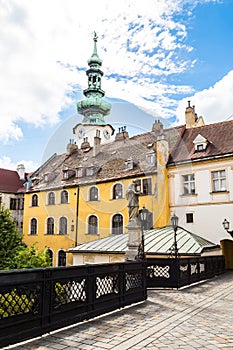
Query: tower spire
[(94, 108)]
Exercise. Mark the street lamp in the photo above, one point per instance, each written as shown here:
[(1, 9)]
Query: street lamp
[(226, 225), (174, 222), (143, 217)]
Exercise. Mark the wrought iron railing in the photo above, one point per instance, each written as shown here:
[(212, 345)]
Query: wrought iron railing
[(33, 302), (36, 301), (176, 273)]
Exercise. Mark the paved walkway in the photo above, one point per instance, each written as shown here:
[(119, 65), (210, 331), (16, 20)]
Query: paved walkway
[(198, 317)]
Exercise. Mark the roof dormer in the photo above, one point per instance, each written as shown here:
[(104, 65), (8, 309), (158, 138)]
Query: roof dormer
[(200, 143)]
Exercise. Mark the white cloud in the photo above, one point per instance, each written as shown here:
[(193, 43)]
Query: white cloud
[(38, 39), (6, 163), (214, 104)]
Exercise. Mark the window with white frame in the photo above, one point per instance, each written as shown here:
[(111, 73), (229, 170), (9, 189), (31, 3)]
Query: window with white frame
[(64, 197), (117, 224), (51, 198), (50, 226), (93, 194), (150, 158), (188, 184), (61, 258), (144, 186), (33, 226), (117, 191), (92, 225), (218, 180), (34, 200), (63, 226)]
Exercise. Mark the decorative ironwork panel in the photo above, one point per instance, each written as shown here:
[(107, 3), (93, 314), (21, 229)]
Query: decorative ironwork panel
[(194, 269), (20, 300), (202, 267), (106, 285), (183, 268), (133, 280), (158, 271), (68, 292)]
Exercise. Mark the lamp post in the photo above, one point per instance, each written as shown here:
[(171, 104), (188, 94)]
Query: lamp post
[(226, 225), (143, 217), (174, 222)]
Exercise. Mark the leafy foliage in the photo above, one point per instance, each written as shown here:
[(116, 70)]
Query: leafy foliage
[(13, 252), (13, 304), (10, 239), (31, 257)]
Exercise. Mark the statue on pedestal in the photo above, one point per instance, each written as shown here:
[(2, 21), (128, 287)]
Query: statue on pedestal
[(133, 202)]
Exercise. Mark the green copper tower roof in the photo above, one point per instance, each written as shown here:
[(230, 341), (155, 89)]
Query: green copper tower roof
[(94, 108)]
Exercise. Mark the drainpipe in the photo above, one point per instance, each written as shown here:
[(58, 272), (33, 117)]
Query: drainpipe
[(76, 219)]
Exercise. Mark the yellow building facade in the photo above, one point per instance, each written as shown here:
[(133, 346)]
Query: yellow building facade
[(50, 222)]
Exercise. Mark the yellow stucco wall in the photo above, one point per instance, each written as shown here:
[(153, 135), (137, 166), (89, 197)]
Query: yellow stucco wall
[(106, 207), (41, 212)]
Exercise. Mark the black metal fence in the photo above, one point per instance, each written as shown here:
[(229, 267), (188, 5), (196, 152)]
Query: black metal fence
[(33, 302), (176, 273)]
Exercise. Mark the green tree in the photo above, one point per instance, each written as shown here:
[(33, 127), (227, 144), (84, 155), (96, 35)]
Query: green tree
[(10, 239), (31, 257), (13, 252)]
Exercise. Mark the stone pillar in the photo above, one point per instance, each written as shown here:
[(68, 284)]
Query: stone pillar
[(134, 240)]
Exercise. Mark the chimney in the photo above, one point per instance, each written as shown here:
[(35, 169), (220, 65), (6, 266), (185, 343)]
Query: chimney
[(162, 151), (71, 147), (96, 145), (157, 127), (190, 116), (85, 144), (21, 171), (122, 134)]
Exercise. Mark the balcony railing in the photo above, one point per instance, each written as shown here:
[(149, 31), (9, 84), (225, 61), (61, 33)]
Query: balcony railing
[(176, 273), (34, 302)]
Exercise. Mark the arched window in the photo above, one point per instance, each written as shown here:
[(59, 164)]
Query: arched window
[(33, 227), (117, 224), (50, 254), (50, 226), (34, 200), (51, 198), (63, 226), (61, 258), (93, 225), (117, 191), (64, 197), (93, 194)]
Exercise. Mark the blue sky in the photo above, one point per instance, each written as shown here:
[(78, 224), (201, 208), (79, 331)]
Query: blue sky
[(155, 58)]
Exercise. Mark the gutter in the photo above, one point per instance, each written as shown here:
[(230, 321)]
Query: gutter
[(200, 159)]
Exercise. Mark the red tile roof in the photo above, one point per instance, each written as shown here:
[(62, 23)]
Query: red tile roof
[(220, 143), (10, 182)]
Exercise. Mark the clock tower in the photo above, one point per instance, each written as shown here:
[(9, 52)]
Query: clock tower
[(93, 107)]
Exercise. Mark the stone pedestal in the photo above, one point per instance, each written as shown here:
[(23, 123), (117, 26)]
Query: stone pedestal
[(134, 231)]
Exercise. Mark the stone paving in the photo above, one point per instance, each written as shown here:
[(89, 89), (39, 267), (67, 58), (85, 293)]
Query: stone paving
[(198, 317)]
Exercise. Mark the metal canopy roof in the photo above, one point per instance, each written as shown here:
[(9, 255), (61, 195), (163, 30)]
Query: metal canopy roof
[(157, 241)]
